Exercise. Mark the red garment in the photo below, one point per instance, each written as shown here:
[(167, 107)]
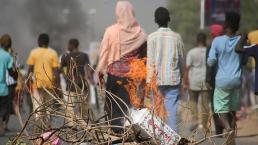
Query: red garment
[(121, 68), (216, 30)]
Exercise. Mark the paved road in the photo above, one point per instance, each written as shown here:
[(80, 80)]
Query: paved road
[(247, 131)]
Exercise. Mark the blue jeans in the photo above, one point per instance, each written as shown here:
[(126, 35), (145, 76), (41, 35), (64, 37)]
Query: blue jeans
[(171, 94)]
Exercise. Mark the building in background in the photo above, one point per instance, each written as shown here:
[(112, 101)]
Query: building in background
[(215, 10)]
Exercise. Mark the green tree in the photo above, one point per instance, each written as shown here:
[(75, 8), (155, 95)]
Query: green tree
[(185, 17), (249, 15)]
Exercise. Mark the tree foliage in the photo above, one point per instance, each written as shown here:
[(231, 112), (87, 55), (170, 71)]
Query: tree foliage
[(249, 13), (185, 17)]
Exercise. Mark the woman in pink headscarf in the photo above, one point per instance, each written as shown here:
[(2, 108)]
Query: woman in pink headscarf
[(123, 41)]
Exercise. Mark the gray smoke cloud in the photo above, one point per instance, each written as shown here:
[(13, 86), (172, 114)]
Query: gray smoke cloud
[(24, 20), (64, 19)]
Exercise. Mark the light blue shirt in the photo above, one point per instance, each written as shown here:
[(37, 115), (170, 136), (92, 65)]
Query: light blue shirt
[(6, 62), (223, 54)]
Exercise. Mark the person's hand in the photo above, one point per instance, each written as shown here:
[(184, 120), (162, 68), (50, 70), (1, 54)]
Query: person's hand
[(183, 90), (208, 85), (244, 36), (100, 79), (243, 41), (185, 84)]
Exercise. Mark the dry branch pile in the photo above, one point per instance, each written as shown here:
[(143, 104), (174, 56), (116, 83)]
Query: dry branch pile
[(78, 122)]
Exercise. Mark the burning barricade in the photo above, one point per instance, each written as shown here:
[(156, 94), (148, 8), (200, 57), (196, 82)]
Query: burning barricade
[(149, 124), (145, 122)]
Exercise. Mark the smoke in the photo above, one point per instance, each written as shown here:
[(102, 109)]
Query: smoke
[(61, 19), (24, 20)]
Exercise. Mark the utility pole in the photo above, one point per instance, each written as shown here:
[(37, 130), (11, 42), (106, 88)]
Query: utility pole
[(202, 15)]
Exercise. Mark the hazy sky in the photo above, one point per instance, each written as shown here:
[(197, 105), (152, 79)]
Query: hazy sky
[(65, 19), (101, 14)]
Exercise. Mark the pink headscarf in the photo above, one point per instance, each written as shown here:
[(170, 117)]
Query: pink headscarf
[(123, 37), (131, 35)]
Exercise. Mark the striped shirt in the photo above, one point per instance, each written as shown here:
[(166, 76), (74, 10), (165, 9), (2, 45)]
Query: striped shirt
[(165, 57)]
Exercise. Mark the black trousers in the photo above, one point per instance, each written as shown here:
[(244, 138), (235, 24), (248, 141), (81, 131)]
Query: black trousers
[(115, 108), (10, 98), (3, 106)]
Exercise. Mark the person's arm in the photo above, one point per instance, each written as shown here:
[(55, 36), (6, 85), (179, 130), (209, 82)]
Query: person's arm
[(30, 63), (212, 57), (182, 66), (104, 53), (150, 60), (187, 68), (186, 78), (103, 58), (29, 75), (56, 70), (241, 43), (208, 68), (182, 62), (30, 69), (251, 50), (64, 64)]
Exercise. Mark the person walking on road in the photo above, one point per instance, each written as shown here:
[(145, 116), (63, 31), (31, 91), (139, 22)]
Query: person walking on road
[(44, 65), (76, 64), (228, 77), (165, 58), (6, 66), (195, 81), (123, 42)]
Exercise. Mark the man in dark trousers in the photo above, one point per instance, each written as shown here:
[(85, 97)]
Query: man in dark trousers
[(75, 65)]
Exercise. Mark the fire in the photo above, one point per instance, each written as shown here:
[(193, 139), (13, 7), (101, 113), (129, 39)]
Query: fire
[(135, 87), (139, 91)]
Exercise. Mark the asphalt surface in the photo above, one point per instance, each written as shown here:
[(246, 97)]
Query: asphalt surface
[(247, 130)]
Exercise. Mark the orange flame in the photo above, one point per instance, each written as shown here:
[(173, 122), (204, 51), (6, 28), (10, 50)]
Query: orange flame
[(138, 89), (135, 87)]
